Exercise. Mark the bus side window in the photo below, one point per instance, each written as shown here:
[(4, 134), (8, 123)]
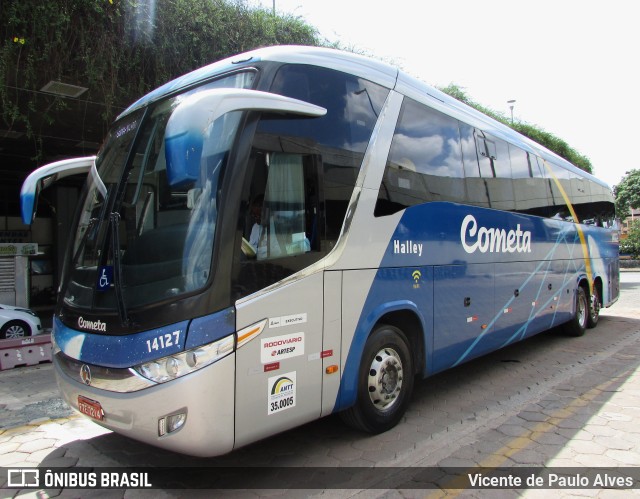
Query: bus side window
[(280, 228), (305, 219), (424, 163), (529, 183), (495, 171), (282, 222), (559, 179)]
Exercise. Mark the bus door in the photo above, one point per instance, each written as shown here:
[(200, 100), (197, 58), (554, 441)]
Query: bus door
[(280, 286), (279, 373)]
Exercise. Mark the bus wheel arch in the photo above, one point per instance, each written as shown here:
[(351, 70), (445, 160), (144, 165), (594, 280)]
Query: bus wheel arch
[(411, 326)]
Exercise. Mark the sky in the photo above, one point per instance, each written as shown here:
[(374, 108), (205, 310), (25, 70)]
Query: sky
[(571, 66)]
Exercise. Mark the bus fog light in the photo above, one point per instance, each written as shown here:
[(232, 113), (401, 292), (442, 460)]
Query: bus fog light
[(169, 424), (175, 422)]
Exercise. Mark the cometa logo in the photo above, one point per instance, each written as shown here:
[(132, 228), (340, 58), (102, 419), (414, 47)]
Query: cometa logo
[(493, 239), (93, 325)]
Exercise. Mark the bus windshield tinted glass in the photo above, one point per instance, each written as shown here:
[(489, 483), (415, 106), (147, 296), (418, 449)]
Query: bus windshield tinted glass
[(163, 225)]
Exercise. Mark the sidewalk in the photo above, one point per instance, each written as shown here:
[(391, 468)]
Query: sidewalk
[(36, 426), (29, 395), (550, 402)]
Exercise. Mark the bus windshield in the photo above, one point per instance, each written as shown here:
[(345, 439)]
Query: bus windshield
[(145, 230)]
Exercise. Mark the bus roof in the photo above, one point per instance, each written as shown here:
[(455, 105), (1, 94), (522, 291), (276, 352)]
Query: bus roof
[(372, 70), (375, 71)]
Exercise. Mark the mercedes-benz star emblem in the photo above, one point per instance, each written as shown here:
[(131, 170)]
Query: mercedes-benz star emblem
[(85, 374)]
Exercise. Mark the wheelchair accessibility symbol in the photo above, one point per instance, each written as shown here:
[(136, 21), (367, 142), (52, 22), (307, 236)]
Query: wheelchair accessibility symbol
[(105, 278)]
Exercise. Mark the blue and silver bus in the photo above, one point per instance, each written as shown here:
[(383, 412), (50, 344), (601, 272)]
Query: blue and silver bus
[(296, 232)]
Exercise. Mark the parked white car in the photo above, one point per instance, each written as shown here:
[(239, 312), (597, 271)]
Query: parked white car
[(16, 322)]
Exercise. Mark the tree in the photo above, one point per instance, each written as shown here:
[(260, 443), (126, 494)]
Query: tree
[(120, 49), (627, 193), (535, 133), (631, 244)]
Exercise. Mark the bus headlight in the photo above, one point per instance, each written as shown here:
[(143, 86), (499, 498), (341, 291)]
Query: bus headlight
[(180, 364)]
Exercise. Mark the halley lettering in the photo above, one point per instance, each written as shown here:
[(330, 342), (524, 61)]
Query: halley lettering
[(407, 248), (493, 240)]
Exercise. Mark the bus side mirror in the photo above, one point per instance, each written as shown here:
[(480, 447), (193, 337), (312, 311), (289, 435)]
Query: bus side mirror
[(191, 123), (43, 177)]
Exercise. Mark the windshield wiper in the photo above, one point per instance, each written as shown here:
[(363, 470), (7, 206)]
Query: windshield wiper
[(83, 241), (114, 222)]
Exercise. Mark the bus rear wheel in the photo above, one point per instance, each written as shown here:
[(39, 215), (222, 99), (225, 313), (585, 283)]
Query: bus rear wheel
[(578, 325), (594, 309), (385, 382)]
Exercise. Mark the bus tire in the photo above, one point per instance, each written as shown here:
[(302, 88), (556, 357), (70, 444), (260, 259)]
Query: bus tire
[(594, 308), (385, 382), (578, 324)]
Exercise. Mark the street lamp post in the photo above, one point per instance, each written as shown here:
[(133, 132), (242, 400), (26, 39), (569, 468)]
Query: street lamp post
[(511, 104)]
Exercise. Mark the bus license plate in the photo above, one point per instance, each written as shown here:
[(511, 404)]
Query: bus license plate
[(91, 408)]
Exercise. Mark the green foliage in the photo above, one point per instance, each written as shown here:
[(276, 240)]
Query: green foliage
[(120, 50), (627, 193), (535, 133), (631, 245)]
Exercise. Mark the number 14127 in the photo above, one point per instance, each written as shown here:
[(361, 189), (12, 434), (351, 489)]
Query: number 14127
[(163, 341)]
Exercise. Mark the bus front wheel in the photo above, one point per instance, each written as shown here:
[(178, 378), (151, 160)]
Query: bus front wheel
[(385, 382)]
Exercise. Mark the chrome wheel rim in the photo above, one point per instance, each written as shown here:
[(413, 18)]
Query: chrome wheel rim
[(385, 379), (582, 309)]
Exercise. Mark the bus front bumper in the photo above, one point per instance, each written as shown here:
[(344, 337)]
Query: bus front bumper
[(204, 397)]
